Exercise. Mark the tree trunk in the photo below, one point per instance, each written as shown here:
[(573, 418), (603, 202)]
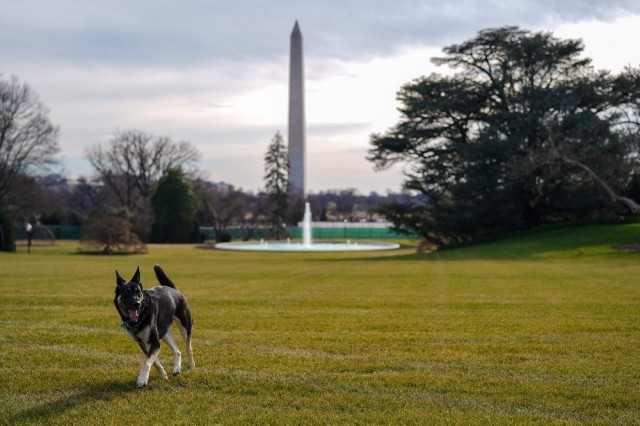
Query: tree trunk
[(627, 202)]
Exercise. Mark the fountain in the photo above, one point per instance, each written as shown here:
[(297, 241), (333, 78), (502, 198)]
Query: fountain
[(307, 244), (306, 226)]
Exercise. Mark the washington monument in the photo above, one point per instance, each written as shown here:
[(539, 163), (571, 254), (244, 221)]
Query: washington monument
[(297, 122)]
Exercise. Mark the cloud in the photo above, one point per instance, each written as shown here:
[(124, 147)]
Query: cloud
[(193, 33), (611, 47), (215, 72)]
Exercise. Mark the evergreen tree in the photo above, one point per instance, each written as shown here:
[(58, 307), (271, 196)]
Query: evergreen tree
[(174, 207), (276, 180)]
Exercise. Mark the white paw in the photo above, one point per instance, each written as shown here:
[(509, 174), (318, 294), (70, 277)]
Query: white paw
[(142, 380)]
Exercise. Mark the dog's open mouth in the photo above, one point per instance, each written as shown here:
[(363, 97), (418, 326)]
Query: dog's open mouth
[(133, 315)]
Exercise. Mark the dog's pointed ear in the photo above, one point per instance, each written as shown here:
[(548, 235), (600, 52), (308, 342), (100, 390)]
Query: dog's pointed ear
[(119, 279), (136, 276)]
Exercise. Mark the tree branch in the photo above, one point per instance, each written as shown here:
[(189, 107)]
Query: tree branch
[(629, 203)]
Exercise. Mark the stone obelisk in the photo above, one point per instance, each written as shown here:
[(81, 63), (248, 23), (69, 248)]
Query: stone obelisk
[(297, 122)]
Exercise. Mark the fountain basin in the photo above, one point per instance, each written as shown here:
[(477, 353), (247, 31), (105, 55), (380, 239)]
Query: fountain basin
[(292, 246), (307, 244)]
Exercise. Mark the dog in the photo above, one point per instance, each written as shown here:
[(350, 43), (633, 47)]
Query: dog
[(148, 314)]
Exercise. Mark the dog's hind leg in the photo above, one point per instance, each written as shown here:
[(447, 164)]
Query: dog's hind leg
[(177, 356), (160, 369), (186, 336)]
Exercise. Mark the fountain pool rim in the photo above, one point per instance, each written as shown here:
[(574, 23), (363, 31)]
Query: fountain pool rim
[(293, 246)]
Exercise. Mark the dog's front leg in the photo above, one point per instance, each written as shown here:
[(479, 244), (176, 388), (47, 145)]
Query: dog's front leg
[(156, 363), (151, 359)]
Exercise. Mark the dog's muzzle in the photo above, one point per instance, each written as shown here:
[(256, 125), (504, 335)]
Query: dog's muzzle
[(134, 311), (133, 315)]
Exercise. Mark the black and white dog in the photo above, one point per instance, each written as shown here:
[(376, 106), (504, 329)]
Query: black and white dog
[(148, 314)]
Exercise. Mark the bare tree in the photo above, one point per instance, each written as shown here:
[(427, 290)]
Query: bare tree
[(225, 207), (28, 140), (134, 160), (131, 165)]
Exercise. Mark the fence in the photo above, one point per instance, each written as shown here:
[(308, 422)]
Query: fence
[(320, 230), (327, 230)]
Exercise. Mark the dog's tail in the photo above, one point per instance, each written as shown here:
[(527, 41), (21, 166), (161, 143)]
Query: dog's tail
[(163, 279)]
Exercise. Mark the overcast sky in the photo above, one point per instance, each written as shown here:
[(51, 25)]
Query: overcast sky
[(215, 72)]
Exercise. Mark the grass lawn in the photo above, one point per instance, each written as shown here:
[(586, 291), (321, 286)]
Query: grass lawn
[(542, 329)]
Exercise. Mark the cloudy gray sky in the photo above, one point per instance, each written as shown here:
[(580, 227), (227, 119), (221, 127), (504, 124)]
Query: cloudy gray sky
[(215, 72)]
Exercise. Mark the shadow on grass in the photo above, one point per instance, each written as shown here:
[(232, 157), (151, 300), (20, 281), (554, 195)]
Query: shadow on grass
[(103, 391)]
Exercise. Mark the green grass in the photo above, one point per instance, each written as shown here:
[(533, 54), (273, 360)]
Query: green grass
[(543, 329)]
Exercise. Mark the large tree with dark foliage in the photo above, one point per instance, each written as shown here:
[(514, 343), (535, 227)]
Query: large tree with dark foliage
[(174, 207), (525, 132), (7, 233)]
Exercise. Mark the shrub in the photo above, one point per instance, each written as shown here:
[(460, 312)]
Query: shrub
[(111, 235)]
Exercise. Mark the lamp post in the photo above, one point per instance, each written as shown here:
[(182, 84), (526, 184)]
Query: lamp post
[(29, 230)]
